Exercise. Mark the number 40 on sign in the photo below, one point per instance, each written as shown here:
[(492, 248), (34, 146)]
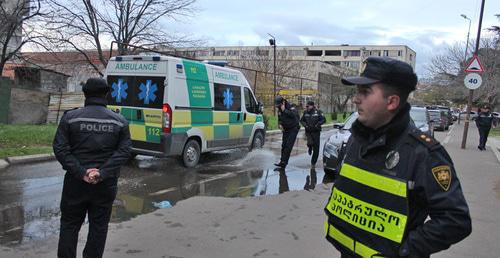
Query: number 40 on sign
[(473, 81)]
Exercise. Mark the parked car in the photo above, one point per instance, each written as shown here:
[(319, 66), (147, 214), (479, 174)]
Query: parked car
[(421, 119), (438, 119), (447, 111), (335, 145), (333, 150), (473, 115)]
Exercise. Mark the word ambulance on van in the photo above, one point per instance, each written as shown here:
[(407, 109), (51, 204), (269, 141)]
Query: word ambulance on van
[(180, 107)]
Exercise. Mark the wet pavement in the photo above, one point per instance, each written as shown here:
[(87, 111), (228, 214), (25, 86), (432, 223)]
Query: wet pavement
[(29, 206)]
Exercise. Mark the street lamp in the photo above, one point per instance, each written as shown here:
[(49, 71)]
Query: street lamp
[(272, 42), (466, 49), (468, 33)]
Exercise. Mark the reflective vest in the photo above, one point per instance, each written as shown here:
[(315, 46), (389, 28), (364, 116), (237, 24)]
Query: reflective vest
[(367, 211)]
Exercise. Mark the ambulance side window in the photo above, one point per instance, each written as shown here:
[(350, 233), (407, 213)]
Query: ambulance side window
[(227, 97), (250, 103)]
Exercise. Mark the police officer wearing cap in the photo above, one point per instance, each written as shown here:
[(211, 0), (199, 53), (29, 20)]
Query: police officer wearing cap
[(312, 119), (484, 121), (288, 120), (91, 143), (398, 194)]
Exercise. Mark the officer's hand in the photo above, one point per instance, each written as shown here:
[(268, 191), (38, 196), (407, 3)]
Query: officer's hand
[(95, 176)]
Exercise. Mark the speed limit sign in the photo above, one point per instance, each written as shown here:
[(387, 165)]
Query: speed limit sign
[(473, 81)]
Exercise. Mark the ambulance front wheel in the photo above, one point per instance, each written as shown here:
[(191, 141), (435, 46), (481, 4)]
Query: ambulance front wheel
[(191, 153), (258, 141)]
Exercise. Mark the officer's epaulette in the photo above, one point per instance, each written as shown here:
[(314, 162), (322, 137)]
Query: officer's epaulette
[(427, 140), (70, 110)]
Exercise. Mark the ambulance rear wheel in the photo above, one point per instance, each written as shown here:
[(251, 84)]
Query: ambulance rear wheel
[(191, 153)]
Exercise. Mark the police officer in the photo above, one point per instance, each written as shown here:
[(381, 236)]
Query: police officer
[(484, 120), (393, 176), (312, 119), (288, 120), (91, 143)]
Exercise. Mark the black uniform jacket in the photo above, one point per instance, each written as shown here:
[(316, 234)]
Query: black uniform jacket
[(484, 120), (92, 137), (429, 195), (289, 118), (312, 120)]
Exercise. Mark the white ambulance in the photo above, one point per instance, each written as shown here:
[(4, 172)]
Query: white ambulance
[(180, 107)]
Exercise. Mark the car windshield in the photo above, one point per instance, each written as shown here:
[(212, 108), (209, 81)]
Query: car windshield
[(418, 114), (350, 120)]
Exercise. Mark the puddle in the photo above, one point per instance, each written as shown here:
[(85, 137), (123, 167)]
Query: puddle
[(29, 208)]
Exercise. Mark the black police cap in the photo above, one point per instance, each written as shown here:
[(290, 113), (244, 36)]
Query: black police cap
[(279, 100), (386, 70), (95, 86), (310, 103)]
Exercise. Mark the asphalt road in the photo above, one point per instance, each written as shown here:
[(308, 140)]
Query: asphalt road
[(29, 207)]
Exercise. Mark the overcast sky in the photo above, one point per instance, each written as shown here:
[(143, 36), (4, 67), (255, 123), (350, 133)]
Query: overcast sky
[(426, 26)]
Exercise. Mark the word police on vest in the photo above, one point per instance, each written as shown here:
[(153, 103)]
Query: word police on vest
[(96, 128)]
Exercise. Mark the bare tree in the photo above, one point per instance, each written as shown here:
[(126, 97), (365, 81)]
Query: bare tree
[(93, 24), (17, 19), (447, 71)]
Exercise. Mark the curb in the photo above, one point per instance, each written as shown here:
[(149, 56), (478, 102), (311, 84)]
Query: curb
[(495, 147), (26, 159)]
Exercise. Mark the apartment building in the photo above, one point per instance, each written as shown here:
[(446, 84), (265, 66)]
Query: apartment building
[(344, 55)]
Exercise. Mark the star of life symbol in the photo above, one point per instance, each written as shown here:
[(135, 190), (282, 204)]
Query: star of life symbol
[(148, 91), (228, 99), (119, 90)]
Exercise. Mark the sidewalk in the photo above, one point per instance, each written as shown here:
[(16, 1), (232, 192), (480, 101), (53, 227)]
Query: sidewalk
[(286, 225)]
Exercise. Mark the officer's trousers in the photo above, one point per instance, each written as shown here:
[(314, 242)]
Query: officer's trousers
[(79, 199), (313, 141), (483, 136), (287, 143)]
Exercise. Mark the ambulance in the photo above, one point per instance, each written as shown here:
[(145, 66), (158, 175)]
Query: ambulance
[(180, 107)]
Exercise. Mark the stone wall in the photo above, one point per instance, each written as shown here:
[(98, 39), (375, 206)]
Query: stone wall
[(28, 106)]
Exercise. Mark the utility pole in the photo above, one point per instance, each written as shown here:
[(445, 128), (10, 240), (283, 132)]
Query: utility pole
[(471, 92)]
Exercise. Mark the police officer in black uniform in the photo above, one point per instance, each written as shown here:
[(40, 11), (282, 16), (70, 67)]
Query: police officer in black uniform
[(393, 176), (288, 120), (312, 119), (91, 143), (484, 120)]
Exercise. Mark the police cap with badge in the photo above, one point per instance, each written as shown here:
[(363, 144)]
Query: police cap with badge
[(385, 70), (95, 87)]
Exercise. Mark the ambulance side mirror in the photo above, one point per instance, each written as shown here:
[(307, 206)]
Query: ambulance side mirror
[(260, 108)]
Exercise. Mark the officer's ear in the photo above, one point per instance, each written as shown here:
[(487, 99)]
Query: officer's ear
[(393, 102)]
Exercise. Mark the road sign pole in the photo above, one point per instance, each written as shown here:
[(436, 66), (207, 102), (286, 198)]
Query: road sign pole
[(471, 92)]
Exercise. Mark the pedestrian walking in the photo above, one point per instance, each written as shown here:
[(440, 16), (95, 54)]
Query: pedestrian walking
[(312, 119), (91, 143), (484, 121), (288, 120), (397, 194)]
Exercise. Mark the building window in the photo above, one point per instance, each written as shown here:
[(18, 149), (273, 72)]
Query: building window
[(314, 52), (233, 52), (333, 53), (262, 52), (296, 52), (219, 53), (400, 53), (352, 53), (201, 53), (411, 57), (386, 52)]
